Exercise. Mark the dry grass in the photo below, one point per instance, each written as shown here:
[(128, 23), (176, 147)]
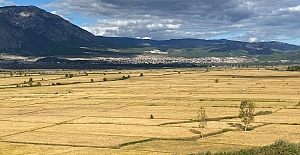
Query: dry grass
[(283, 116), (262, 136), (72, 139), (37, 119), (123, 130), (22, 149), (122, 121), (8, 127), (182, 147), (82, 115), (211, 126)]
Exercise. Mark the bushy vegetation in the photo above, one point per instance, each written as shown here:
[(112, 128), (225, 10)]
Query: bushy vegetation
[(263, 113), (216, 80), (69, 75), (202, 119), (280, 147), (126, 77), (247, 112), (293, 68)]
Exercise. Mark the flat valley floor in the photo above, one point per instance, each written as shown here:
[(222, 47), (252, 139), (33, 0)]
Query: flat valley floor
[(58, 115)]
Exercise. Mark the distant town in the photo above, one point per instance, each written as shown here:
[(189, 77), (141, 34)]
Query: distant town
[(139, 61)]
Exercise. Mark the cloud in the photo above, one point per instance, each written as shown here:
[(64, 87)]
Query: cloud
[(4, 2), (165, 19), (133, 28), (296, 9), (252, 39)]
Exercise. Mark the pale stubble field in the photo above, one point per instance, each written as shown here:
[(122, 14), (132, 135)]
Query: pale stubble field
[(78, 116)]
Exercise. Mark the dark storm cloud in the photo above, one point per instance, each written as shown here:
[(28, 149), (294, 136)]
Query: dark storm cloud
[(163, 19)]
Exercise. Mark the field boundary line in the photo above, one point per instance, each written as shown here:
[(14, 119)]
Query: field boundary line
[(193, 138), (48, 126), (51, 144)]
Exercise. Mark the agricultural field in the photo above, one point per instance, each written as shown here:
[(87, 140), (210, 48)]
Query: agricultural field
[(108, 111)]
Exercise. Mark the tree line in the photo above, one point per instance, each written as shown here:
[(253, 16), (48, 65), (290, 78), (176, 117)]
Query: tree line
[(293, 68), (246, 114)]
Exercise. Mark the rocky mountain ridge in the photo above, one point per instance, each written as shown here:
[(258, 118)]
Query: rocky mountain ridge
[(31, 31)]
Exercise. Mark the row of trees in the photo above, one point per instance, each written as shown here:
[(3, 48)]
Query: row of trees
[(293, 68), (246, 115)]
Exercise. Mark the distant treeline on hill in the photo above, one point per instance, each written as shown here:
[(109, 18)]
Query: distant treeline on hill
[(293, 68)]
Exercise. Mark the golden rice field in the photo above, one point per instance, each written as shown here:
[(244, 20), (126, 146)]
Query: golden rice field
[(86, 115)]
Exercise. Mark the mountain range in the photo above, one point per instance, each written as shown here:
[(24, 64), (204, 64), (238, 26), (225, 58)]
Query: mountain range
[(31, 31)]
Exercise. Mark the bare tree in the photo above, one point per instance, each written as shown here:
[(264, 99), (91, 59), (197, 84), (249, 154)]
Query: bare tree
[(247, 113), (202, 119)]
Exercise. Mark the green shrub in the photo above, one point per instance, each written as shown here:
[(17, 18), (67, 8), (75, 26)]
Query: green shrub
[(216, 80), (279, 147), (30, 80), (30, 84), (263, 113), (38, 84)]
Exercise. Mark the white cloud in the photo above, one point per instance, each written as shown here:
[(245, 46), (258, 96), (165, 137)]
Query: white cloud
[(55, 13), (4, 2), (252, 40), (165, 19), (103, 31), (145, 38), (173, 26), (132, 28), (295, 9)]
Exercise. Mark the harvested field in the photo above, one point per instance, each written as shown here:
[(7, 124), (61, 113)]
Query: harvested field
[(79, 115)]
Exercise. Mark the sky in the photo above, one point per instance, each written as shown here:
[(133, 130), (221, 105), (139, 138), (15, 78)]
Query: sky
[(243, 20)]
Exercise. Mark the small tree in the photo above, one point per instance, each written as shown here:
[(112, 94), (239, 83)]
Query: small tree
[(30, 84), (38, 84), (69, 75), (216, 80), (141, 74), (30, 80), (20, 73), (247, 113), (202, 119)]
